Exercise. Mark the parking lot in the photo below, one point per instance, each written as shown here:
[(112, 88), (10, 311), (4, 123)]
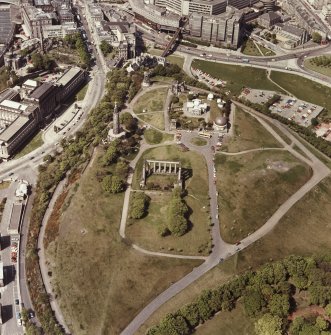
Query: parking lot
[(299, 111)]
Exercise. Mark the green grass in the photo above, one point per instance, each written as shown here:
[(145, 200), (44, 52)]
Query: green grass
[(250, 49), (326, 70), (279, 132), (304, 230), (237, 76), (249, 134), (81, 94), (252, 186), (144, 232), (152, 101), (173, 59), (155, 119), (198, 141), (304, 89), (152, 136), (100, 280), (34, 143), (228, 323)]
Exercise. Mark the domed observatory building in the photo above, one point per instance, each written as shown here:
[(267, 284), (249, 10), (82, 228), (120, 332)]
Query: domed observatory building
[(221, 124)]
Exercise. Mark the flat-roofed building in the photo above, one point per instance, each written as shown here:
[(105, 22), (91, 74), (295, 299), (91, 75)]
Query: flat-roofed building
[(71, 81), (16, 134), (9, 94), (15, 219), (44, 96), (223, 30)]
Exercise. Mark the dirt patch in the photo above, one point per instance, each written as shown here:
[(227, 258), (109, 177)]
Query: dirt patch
[(308, 311), (278, 166)]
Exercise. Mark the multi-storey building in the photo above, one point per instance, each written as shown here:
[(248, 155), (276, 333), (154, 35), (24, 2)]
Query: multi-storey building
[(222, 30), (19, 120)]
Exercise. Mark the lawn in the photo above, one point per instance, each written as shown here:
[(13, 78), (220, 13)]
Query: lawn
[(200, 142), (151, 101), (326, 70), (251, 188), (248, 134), (304, 89), (152, 136), (144, 232), (173, 59), (228, 323), (155, 119), (100, 280), (33, 144), (237, 76), (304, 230), (82, 92), (250, 49)]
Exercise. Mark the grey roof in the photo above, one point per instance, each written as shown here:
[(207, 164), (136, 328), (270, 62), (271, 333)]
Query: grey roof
[(270, 16), (292, 30), (13, 128), (69, 75), (15, 218), (41, 91)]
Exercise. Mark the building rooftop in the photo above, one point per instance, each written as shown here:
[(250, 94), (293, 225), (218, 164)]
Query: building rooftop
[(13, 128), (8, 93), (31, 83), (14, 105), (15, 217), (41, 91), (68, 76)]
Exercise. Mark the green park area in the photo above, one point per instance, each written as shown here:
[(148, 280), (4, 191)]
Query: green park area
[(153, 136), (156, 119), (252, 186), (237, 76), (251, 49), (33, 144), (320, 64), (109, 287), (147, 231), (173, 59), (81, 93), (151, 101), (305, 230), (248, 133), (304, 89)]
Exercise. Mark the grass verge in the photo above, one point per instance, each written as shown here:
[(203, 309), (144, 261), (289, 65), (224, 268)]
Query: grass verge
[(237, 76), (249, 134), (325, 70), (33, 144), (82, 92), (252, 186), (152, 101), (200, 142)]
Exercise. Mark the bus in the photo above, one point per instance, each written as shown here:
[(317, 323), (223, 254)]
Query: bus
[(204, 134)]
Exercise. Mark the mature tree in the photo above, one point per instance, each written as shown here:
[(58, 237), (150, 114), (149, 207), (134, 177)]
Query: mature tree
[(112, 184), (314, 122), (269, 325), (139, 205), (279, 305), (177, 211), (121, 169), (316, 37), (191, 314), (105, 48), (174, 324), (321, 323), (253, 302), (328, 309), (110, 155)]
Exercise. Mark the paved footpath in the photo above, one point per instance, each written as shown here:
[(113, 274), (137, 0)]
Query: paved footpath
[(221, 249)]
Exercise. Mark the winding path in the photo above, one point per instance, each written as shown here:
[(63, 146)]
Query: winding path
[(221, 249)]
